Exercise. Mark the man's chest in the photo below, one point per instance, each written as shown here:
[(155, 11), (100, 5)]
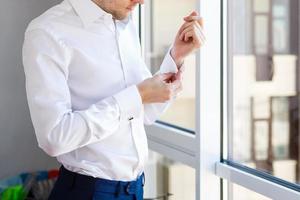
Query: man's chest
[(103, 61)]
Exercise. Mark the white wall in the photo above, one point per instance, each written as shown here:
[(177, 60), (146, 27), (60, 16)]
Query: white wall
[(18, 147)]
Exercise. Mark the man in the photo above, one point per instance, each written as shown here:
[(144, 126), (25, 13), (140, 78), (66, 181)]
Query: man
[(90, 94)]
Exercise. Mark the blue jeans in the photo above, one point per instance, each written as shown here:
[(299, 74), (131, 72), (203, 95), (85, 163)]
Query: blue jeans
[(74, 186)]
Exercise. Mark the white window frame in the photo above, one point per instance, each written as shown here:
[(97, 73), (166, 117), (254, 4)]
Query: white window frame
[(256, 184), (185, 147), (204, 150)]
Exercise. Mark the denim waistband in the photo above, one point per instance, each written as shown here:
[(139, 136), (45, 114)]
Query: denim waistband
[(102, 185)]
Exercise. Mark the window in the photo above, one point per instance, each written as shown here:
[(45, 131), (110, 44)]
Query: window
[(245, 100), (174, 132), (163, 26), (261, 117), (184, 134), (265, 116)]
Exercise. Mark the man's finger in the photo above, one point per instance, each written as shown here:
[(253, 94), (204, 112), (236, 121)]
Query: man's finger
[(195, 18), (192, 17), (189, 26), (181, 37), (184, 26), (195, 38), (174, 85), (188, 35), (178, 89), (194, 13), (201, 22), (178, 75)]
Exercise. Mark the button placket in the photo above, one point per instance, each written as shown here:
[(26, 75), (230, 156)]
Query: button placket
[(136, 138), (139, 146), (119, 44), (122, 57)]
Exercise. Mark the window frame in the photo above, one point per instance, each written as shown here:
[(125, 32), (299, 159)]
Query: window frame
[(249, 178), (212, 116), (180, 145), (172, 142)]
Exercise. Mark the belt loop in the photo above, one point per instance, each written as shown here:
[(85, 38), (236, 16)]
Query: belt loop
[(128, 188), (143, 179), (118, 189)]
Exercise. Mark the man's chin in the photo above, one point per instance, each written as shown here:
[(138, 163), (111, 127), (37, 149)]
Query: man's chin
[(122, 16)]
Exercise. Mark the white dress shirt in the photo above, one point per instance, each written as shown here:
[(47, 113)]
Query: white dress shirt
[(81, 68)]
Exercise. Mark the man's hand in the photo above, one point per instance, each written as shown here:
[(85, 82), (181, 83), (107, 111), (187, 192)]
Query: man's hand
[(160, 88), (189, 38)]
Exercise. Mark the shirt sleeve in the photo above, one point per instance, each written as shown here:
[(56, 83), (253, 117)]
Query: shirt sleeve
[(58, 128), (153, 111)]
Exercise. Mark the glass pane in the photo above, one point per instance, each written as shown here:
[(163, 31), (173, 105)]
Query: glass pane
[(280, 8), (261, 34), (280, 127), (279, 11), (261, 6), (280, 43), (237, 192), (167, 179), (165, 23), (261, 131), (265, 114), (281, 26)]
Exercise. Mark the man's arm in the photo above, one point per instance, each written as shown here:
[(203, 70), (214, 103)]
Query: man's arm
[(189, 38), (58, 128), (168, 70)]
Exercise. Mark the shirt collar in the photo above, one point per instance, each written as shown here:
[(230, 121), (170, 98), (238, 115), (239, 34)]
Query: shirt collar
[(89, 12)]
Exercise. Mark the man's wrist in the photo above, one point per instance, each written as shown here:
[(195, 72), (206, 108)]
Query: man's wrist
[(177, 59), (141, 91)]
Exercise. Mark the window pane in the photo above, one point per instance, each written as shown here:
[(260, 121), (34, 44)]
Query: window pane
[(165, 23), (168, 179), (261, 131), (261, 34), (261, 5), (284, 15), (265, 112), (279, 29), (279, 9)]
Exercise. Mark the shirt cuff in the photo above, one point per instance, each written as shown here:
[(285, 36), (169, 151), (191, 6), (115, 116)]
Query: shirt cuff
[(168, 64), (130, 103)]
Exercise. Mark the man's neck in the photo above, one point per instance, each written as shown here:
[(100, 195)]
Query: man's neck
[(100, 4)]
